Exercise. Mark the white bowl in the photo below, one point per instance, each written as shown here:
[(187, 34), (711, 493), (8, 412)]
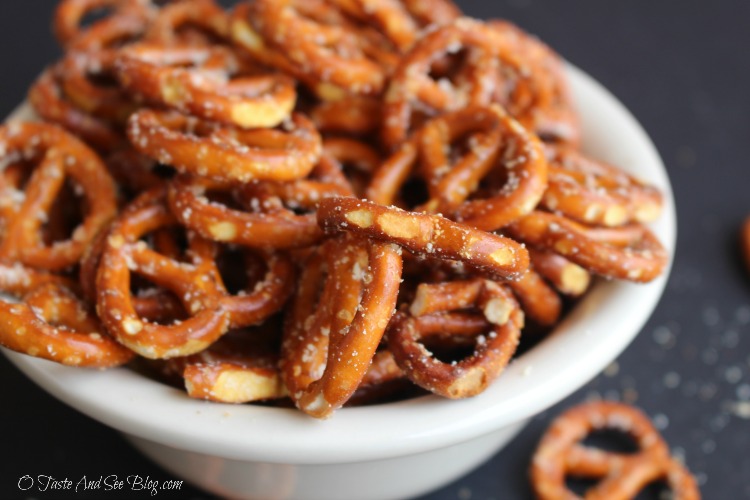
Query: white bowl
[(393, 450)]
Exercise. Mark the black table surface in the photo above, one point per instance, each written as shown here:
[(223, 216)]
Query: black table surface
[(682, 67)]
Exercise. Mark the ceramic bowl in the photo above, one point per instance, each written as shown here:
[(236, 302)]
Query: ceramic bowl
[(393, 450)]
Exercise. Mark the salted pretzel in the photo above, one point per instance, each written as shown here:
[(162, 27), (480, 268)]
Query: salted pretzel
[(208, 82), (560, 454), (531, 85), (193, 22), (389, 16), (267, 215), (193, 284), (79, 72), (70, 14), (329, 342), (50, 103), (596, 193), (425, 234), (629, 252), (431, 12), (53, 156), (499, 314), (500, 144), (324, 44), (412, 88), (238, 368), (210, 150), (52, 323)]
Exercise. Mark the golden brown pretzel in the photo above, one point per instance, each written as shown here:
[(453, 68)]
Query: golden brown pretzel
[(209, 150), (425, 234), (193, 284), (206, 20), (468, 377), (596, 193), (567, 278), (330, 342), (54, 324), (50, 103), (70, 14), (628, 253), (623, 475), (208, 82), (323, 43), (53, 156)]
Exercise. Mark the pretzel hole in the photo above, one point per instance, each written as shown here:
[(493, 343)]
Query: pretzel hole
[(65, 214), (611, 440), (93, 16)]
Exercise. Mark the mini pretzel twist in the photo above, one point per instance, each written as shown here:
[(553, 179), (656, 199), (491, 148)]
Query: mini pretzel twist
[(425, 234), (54, 324), (193, 284), (208, 82), (325, 45), (595, 193), (194, 22), (53, 156), (560, 454), (50, 103), (430, 315), (209, 150), (329, 343), (70, 14), (628, 252)]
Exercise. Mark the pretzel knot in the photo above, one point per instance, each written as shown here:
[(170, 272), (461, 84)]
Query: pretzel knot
[(487, 305), (329, 343), (225, 153), (193, 284), (42, 158), (54, 324), (560, 454), (208, 82)]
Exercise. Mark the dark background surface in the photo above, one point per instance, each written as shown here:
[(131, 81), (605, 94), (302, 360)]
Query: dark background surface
[(682, 67)]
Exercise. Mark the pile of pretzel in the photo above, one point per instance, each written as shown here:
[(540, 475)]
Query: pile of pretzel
[(304, 200)]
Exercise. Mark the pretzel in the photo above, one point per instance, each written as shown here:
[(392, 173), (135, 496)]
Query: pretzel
[(411, 86), (69, 15), (471, 375), (430, 12), (53, 155), (425, 235), (533, 88), (324, 44), (623, 475), (50, 103), (53, 324), (207, 20), (629, 253), (330, 342), (109, 34), (567, 278), (520, 161), (207, 82), (193, 284), (209, 150), (265, 223), (106, 102), (596, 193), (388, 16), (239, 368)]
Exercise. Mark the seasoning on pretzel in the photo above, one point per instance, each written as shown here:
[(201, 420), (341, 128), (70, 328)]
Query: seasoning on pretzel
[(425, 234)]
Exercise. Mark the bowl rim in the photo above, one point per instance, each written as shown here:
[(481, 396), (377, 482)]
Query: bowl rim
[(581, 346)]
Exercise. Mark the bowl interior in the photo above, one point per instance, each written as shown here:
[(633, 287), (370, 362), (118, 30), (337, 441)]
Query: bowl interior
[(589, 338)]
